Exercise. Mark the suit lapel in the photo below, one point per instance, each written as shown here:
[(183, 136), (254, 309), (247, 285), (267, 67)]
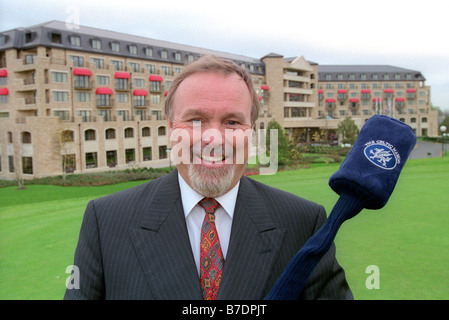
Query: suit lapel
[(163, 247), (253, 247)]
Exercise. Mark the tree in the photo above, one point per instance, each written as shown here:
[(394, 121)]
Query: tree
[(348, 130), (283, 143)]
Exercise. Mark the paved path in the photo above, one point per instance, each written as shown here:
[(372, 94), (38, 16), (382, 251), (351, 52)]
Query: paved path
[(426, 149)]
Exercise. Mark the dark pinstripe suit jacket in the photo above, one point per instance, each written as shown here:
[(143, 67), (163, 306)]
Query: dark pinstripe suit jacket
[(134, 245)]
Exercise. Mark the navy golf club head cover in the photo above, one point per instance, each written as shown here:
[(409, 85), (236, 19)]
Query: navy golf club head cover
[(365, 179)]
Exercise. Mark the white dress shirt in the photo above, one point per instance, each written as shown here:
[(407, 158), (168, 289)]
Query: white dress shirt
[(195, 215)]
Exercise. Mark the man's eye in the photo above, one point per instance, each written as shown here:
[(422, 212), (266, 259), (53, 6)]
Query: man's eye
[(232, 122)]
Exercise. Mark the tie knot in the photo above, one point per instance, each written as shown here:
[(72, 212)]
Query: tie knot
[(209, 205)]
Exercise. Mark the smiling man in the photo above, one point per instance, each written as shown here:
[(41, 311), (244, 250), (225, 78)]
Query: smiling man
[(205, 231)]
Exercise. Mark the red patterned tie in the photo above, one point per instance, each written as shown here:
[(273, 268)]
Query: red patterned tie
[(211, 261)]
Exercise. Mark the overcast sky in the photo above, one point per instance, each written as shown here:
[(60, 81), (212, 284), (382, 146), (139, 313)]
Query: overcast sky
[(409, 34)]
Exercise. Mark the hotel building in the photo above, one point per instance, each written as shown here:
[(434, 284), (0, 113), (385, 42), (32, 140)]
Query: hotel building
[(87, 100)]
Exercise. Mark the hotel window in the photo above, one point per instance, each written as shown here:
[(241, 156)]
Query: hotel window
[(374, 77), (162, 152), (61, 114), (3, 40), (148, 52), (352, 76), (134, 66), (59, 76), (177, 70), (122, 97), (68, 136), (60, 96), (141, 114), (75, 41), (96, 44), (328, 77), (146, 152), (129, 133), (55, 37), (91, 160), (397, 76), (84, 114), (110, 134), (103, 80), (165, 70), (161, 131), (139, 101), (139, 83), (118, 65), (386, 77), (111, 158), (89, 135), (190, 57), (155, 86), (121, 84), (82, 96), (146, 132), (151, 68), (178, 56), (339, 76), (99, 63), (78, 61), (155, 98), (164, 54), (105, 114), (27, 165), (115, 46), (26, 137), (130, 155), (132, 49), (363, 76), (124, 114), (103, 100), (82, 82)]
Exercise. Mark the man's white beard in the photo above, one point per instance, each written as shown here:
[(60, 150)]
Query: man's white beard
[(211, 183)]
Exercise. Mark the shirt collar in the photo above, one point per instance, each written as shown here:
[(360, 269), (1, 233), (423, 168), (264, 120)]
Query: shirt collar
[(190, 198)]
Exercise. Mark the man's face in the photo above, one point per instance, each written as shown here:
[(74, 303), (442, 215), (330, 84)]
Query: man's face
[(211, 121)]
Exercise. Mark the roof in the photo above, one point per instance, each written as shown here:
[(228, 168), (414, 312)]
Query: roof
[(41, 31), (368, 70)]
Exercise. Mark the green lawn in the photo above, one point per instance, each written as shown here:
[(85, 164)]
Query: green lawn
[(408, 239)]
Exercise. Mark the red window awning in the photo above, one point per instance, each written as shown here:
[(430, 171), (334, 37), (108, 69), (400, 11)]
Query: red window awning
[(140, 92), (265, 87), (400, 99), (377, 99), (3, 73), (354, 100), (155, 77), (411, 90), (330, 100), (366, 91), (388, 91), (82, 72), (320, 91), (104, 91), (4, 91), (259, 98), (342, 91), (122, 75)]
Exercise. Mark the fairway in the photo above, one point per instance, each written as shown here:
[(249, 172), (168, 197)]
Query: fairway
[(407, 240)]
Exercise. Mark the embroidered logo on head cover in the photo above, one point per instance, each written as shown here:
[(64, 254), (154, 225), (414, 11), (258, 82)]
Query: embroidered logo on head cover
[(382, 154)]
